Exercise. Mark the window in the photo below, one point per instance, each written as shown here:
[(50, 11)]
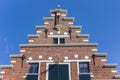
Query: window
[(58, 72), (84, 71), (58, 40), (62, 40), (83, 67), (55, 40), (33, 68), (33, 72)]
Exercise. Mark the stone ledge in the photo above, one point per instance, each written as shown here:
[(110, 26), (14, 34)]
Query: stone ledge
[(117, 76), (82, 36), (40, 27), (33, 35), (110, 65), (68, 18), (16, 55), (77, 27), (58, 45), (47, 18), (101, 54), (6, 66), (58, 10)]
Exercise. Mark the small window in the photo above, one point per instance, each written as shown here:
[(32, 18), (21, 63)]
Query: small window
[(62, 40), (84, 71), (34, 68), (33, 72), (55, 40), (83, 67), (58, 40)]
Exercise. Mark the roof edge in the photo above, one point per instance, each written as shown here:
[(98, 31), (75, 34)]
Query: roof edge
[(33, 35), (58, 45), (6, 66), (83, 35), (16, 55), (117, 76), (110, 65), (101, 54)]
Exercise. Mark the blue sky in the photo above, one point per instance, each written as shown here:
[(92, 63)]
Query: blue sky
[(99, 18)]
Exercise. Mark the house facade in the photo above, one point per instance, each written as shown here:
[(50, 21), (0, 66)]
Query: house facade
[(58, 51)]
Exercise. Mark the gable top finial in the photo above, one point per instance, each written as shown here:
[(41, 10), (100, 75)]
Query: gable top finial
[(58, 7)]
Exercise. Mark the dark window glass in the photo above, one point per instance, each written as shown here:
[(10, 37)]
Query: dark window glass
[(34, 68), (83, 67), (58, 72), (32, 77), (55, 40), (62, 40), (84, 77)]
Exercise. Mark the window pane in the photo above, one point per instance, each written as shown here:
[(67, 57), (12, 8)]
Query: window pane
[(58, 72), (62, 40), (84, 77), (83, 67), (55, 40), (34, 68), (32, 77)]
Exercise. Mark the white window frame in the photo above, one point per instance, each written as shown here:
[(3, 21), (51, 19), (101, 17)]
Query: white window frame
[(35, 73), (47, 67), (78, 68), (58, 38)]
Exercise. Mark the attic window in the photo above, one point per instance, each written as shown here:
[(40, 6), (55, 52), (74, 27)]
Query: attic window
[(58, 40)]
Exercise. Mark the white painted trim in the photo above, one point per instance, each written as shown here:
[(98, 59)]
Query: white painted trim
[(51, 33), (114, 71), (102, 60), (40, 56), (76, 56), (13, 61), (24, 76), (66, 58), (70, 23), (77, 31), (94, 49), (86, 57), (58, 32), (92, 75), (58, 13), (47, 67), (30, 58), (31, 40), (61, 36), (52, 15), (38, 31), (117, 76), (46, 22), (50, 58), (22, 51), (39, 72), (2, 72), (1, 76), (84, 60), (63, 15), (65, 33), (37, 61), (85, 40)]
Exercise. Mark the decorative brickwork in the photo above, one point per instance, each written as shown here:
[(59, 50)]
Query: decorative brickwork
[(59, 45)]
